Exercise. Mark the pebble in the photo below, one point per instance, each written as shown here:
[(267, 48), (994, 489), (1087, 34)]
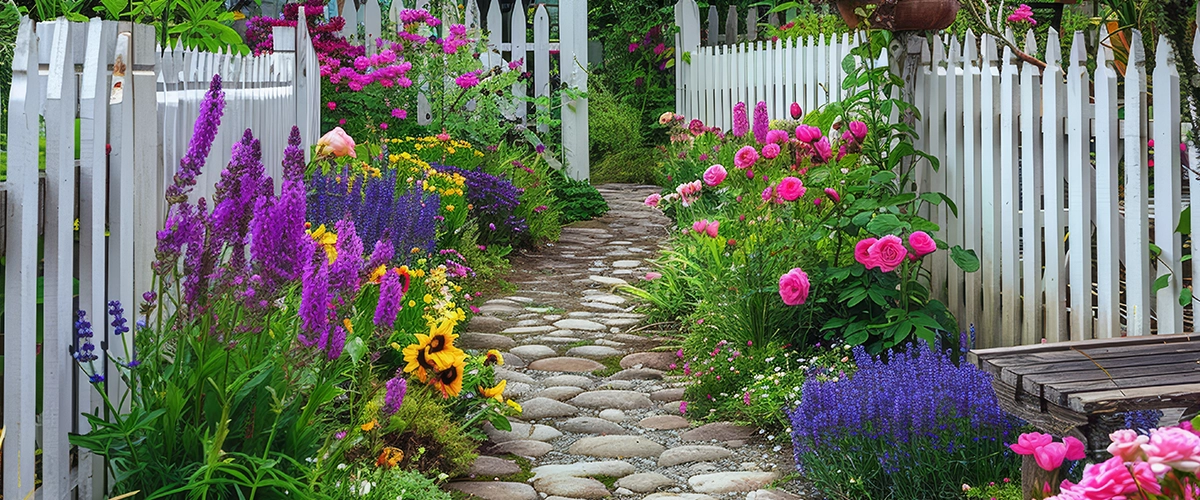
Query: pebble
[(616, 446), (613, 415), (621, 400), (591, 425), (644, 482), (539, 408)]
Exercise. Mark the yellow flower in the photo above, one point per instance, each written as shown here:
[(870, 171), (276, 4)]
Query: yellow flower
[(494, 392), (494, 357), (417, 357), (395, 346), (378, 273), (412, 303), (390, 457), (349, 326), (76, 224), (327, 239), (428, 299), (440, 344), (368, 426), (449, 208), (449, 381), (515, 405)]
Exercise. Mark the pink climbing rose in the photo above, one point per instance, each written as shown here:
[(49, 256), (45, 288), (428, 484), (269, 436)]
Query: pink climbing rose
[(794, 287), (715, 175), (889, 253), (1127, 444), (922, 244), (1022, 14), (862, 253), (1172, 448)]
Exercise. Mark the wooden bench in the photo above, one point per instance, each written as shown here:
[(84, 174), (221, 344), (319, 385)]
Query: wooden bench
[(1065, 388), (1062, 388)]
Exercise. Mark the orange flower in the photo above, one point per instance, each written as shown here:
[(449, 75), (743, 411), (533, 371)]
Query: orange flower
[(368, 426), (389, 457)]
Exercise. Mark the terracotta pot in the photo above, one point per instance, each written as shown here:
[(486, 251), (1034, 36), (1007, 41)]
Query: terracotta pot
[(909, 15)]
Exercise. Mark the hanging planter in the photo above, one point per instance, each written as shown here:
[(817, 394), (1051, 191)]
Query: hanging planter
[(902, 15)]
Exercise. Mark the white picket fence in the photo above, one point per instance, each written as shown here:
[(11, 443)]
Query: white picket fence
[(740, 69), (1015, 146), (536, 55), (142, 104)]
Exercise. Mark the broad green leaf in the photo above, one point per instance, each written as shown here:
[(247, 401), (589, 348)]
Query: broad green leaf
[(356, 348), (1185, 221), (1160, 283), (965, 258), (1185, 297), (883, 224), (919, 224), (883, 177)]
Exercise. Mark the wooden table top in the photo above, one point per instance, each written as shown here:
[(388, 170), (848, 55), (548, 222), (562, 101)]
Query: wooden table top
[(1097, 376)]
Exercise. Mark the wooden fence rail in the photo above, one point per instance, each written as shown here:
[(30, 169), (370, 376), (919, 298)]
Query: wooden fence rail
[(1053, 183)]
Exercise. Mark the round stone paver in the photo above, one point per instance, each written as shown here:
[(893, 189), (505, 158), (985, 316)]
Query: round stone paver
[(495, 490), (617, 399), (488, 467), (591, 425), (664, 422), (728, 482), (482, 341), (569, 380), (644, 482), (610, 468), (637, 374), (559, 393), (613, 415), (523, 447), (571, 487), (664, 395), (720, 431), (655, 360), (533, 352), (616, 447), (684, 454), (565, 364), (576, 323), (536, 432), (539, 408), (593, 352)]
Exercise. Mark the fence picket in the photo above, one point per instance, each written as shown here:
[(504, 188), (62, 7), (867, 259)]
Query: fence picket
[(952, 163), (1053, 175), (934, 140), (1081, 185), (990, 178), (1006, 204), (1166, 188), (713, 34), (1031, 196), (1108, 295), (541, 59), (970, 207), (1137, 251)]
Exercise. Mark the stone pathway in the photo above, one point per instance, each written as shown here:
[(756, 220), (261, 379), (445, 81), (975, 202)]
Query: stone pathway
[(601, 415)]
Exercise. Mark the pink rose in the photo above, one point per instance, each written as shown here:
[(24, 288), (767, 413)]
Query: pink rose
[(1111, 479), (715, 175), (822, 151), (859, 130), (790, 188), (653, 200), (833, 195), (1127, 444), (793, 287), (1172, 448), (921, 243), (335, 143), (745, 157), (889, 252), (777, 136), (770, 151), (808, 134), (1075, 449), (1050, 457), (862, 253), (1030, 441)]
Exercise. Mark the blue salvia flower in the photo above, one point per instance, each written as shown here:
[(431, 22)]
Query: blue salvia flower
[(119, 323), (84, 351), (1142, 421)]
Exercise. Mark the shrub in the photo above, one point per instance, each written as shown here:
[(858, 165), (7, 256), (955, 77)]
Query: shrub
[(613, 126), (912, 426), (632, 166), (374, 483), (578, 200)]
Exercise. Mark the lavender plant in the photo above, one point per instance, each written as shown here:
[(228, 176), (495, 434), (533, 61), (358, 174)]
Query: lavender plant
[(381, 211), (493, 200), (913, 425)]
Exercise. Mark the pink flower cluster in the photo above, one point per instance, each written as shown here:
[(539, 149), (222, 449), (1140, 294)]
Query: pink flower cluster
[(1140, 465), (706, 226), (457, 38), (1022, 14), (689, 192), (467, 80), (888, 253), (815, 143), (852, 139), (385, 68), (1048, 454)]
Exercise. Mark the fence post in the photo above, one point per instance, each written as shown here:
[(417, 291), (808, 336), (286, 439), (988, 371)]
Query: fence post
[(687, 18), (1137, 251), (1166, 187), (970, 208), (541, 59), (573, 65), (20, 279)]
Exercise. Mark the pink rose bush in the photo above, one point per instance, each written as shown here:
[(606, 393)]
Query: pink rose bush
[(888, 253), (794, 287), (715, 175)]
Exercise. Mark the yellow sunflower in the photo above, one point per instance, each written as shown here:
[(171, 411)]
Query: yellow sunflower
[(439, 344), (496, 392), (417, 357), (493, 358), (450, 380)]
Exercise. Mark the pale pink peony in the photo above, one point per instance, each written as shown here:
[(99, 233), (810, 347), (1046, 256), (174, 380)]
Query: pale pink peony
[(745, 157), (1127, 444), (653, 200), (770, 151), (1172, 448), (688, 192), (715, 175), (1111, 479), (790, 188), (921, 243), (889, 252), (335, 143), (794, 287), (862, 253)]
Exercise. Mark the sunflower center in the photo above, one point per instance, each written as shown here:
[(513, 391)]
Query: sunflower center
[(449, 376), (421, 360), (437, 344)]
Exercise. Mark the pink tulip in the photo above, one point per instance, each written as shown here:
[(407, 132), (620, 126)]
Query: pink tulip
[(711, 230), (1075, 449), (796, 111), (1050, 457), (808, 134), (336, 143)]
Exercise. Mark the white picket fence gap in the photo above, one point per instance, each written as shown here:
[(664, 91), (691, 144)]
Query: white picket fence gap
[(536, 55), (1015, 146), (142, 103), (778, 72)]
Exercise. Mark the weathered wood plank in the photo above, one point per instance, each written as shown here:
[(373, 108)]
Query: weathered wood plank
[(978, 354), (1172, 396)]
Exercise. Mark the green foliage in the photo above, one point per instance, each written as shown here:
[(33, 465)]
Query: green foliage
[(448, 446), (613, 125), (578, 200), (736, 382), (631, 166), (539, 202), (1006, 490), (638, 62), (809, 22), (375, 483)]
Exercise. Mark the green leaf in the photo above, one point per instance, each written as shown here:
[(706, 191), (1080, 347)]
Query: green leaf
[(861, 219), (902, 150), (965, 258), (356, 348), (883, 177), (920, 224), (1155, 251), (950, 203), (1160, 283), (1185, 297), (883, 224), (857, 337), (686, 56), (1185, 221)]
